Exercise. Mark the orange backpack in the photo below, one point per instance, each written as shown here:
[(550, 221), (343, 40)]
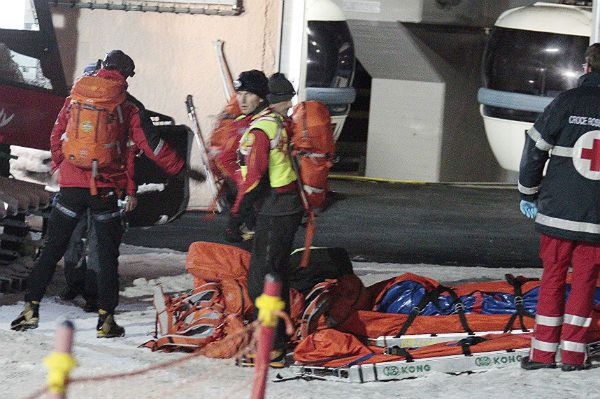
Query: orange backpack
[(91, 138), (188, 320), (221, 133), (313, 148)]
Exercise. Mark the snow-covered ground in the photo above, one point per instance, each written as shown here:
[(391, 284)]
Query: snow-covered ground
[(21, 354)]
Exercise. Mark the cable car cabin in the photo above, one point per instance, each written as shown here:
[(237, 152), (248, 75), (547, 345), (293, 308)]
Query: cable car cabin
[(33, 90), (533, 54), (317, 55), (330, 64)]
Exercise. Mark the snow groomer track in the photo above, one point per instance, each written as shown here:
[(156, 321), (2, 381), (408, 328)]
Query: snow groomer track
[(17, 200)]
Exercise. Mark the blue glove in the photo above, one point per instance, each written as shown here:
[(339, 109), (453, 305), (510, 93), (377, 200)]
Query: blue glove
[(528, 209)]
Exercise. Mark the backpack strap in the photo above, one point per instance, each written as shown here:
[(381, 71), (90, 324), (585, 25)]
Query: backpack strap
[(432, 296), (176, 341), (459, 306), (274, 142), (467, 342), (173, 312), (195, 329), (399, 351), (520, 311), (197, 320), (310, 221), (317, 302), (359, 360), (416, 310)]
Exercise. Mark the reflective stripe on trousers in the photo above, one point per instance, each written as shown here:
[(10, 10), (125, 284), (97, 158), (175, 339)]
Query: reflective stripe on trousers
[(557, 255)]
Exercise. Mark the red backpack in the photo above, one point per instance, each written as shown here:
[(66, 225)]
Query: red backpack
[(92, 138), (312, 149)]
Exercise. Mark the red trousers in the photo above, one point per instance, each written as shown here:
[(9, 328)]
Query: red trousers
[(559, 326)]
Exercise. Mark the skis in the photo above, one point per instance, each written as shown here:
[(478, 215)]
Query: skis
[(226, 77), (210, 177)]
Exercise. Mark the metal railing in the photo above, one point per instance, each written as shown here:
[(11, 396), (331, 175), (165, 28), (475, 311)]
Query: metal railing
[(211, 7)]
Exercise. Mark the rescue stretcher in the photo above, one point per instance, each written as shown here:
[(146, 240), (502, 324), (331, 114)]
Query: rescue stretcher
[(403, 369)]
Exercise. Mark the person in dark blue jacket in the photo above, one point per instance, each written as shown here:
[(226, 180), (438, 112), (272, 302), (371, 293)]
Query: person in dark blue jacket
[(566, 206)]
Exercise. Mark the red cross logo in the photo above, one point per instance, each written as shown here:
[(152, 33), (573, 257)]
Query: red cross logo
[(593, 154)]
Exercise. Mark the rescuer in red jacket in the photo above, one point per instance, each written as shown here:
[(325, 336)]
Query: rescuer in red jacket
[(251, 91), (76, 197)]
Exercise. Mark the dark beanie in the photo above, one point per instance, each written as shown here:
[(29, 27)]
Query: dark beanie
[(280, 89), (253, 81)]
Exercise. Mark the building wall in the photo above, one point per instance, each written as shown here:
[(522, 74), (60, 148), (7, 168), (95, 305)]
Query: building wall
[(174, 55)]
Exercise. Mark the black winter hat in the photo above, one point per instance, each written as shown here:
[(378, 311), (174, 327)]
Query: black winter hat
[(280, 89), (253, 81), (119, 61)]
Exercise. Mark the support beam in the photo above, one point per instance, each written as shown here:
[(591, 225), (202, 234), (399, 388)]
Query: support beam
[(595, 36)]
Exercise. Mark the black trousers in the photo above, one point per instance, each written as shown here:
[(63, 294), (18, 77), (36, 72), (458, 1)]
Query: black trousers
[(81, 259), (71, 206), (273, 242)]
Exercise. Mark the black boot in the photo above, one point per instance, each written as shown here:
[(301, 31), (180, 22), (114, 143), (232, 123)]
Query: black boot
[(531, 365), (107, 327), (91, 305), (278, 359), (68, 294), (28, 318), (575, 367)]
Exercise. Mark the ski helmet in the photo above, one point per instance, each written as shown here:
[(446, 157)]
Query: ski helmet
[(118, 60)]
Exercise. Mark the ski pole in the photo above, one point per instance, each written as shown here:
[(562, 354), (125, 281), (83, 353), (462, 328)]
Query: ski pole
[(189, 102), (268, 304), (60, 362)]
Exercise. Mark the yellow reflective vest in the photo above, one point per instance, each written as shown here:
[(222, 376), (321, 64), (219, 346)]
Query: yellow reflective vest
[(281, 171)]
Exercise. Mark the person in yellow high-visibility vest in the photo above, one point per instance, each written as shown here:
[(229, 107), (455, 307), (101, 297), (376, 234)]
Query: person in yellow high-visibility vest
[(269, 179), (251, 92)]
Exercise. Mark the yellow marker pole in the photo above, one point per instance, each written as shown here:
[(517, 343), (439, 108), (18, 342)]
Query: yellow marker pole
[(60, 362)]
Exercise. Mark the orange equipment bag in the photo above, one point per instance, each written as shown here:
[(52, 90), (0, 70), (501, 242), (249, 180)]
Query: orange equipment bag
[(226, 265), (211, 261), (91, 139)]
